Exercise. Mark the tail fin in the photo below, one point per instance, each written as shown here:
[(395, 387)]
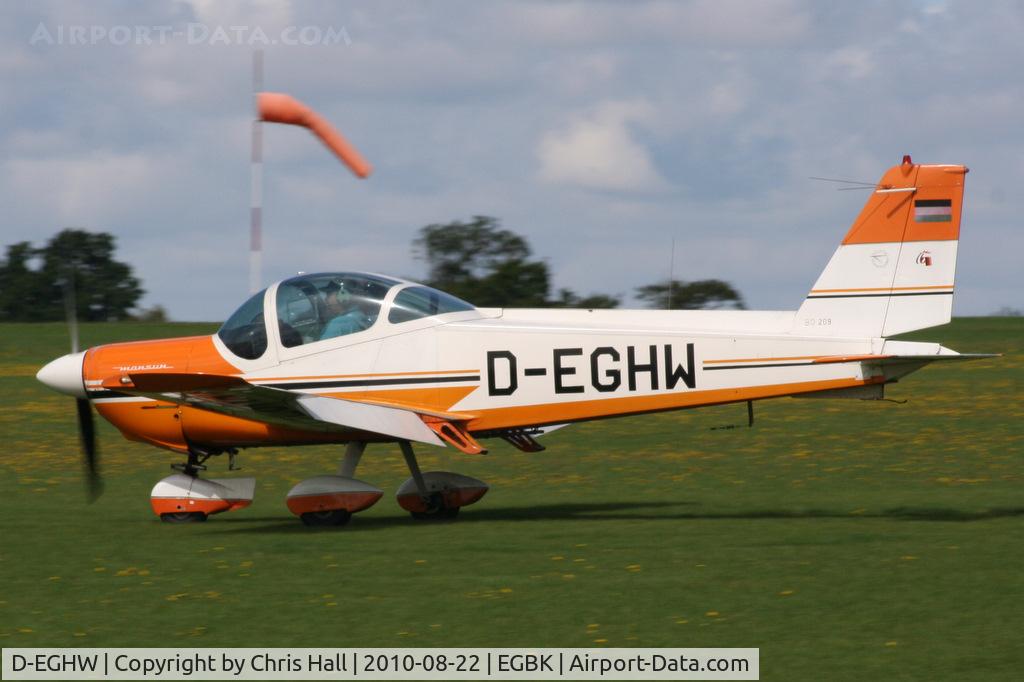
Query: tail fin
[(894, 270)]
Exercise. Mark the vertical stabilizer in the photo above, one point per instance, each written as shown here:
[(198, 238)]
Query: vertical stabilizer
[(894, 270)]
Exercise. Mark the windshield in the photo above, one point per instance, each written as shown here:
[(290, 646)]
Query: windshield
[(416, 302), (324, 306), (245, 332)]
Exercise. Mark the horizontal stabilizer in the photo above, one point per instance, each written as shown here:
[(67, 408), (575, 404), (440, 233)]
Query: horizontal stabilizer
[(895, 351), (903, 357)]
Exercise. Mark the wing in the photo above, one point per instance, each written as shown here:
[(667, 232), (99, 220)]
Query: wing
[(306, 411)]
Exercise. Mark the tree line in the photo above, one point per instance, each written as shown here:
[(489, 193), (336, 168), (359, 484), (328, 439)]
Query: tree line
[(489, 266), (476, 260), (36, 284)]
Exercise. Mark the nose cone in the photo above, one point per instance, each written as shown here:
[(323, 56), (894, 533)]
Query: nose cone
[(64, 374)]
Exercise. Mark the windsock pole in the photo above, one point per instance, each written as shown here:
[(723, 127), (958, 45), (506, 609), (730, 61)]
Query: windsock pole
[(256, 192), (277, 107)]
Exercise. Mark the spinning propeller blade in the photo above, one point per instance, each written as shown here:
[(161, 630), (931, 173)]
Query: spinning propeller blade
[(87, 430), (86, 425)]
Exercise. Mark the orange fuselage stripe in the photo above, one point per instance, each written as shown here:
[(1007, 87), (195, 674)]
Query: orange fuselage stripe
[(816, 358), (560, 413), (794, 357), (213, 428)]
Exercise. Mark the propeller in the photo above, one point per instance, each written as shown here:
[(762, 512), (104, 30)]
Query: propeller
[(87, 429), (86, 424)]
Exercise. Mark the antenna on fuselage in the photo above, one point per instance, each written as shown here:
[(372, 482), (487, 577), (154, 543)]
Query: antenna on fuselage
[(672, 274)]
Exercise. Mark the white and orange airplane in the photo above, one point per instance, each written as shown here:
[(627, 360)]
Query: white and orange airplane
[(358, 358)]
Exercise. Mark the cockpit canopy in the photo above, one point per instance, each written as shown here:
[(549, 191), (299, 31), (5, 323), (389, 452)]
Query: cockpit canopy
[(322, 306), (245, 332), (319, 307)]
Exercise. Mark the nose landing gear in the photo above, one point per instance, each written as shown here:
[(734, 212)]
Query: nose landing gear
[(186, 498), (180, 498)]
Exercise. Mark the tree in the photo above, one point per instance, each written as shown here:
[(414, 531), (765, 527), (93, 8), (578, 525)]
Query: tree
[(680, 295), (19, 284), (155, 314), (482, 263), (567, 298), (490, 266), (104, 289)]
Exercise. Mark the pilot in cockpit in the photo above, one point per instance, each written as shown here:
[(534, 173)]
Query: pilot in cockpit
[(342, 312)]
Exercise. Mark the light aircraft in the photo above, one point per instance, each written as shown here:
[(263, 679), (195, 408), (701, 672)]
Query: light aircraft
[(356, 358)]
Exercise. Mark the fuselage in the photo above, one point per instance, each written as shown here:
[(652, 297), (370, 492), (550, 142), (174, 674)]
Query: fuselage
[(494, 369)]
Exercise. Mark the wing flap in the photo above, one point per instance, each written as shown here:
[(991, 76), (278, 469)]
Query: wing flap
[(403, 424)]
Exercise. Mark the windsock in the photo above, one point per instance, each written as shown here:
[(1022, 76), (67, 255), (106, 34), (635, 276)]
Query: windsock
[(276, 107)]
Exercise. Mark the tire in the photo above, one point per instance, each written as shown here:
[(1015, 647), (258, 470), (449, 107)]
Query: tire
[(328, 517), (183, 517), (437, 511)]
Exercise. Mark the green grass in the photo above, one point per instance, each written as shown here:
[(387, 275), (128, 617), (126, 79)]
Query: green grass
[(846, 539)]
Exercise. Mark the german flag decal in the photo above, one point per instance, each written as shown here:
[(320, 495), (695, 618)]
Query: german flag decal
[(933, 211)]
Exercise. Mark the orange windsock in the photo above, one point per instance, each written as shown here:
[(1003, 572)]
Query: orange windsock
[(276, 107)]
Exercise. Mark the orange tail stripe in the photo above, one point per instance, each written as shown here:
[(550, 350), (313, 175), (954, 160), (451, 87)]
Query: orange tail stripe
[(842, 291)]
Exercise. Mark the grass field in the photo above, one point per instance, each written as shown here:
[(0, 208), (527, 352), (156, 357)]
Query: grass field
[(846, 539)]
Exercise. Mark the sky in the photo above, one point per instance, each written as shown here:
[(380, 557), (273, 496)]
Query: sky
[(602, 132)]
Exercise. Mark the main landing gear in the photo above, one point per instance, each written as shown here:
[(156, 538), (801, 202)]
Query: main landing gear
[(331, 500), (328, 500), (436, 495)]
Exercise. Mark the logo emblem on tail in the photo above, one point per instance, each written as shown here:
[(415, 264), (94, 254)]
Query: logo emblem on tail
[(924, 258)]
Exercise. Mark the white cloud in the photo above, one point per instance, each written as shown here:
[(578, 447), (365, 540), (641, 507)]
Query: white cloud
[(735, 22), (591, 71), (269, 15), (726, 99), (84, 191), (597, 150), (720, 23), (852, 61)]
